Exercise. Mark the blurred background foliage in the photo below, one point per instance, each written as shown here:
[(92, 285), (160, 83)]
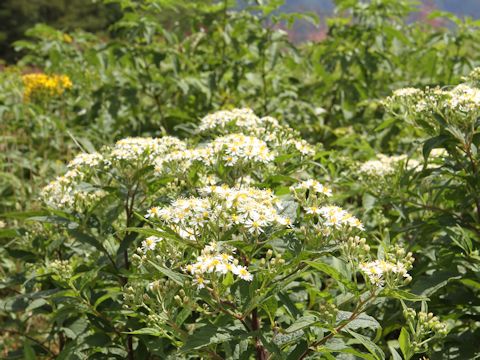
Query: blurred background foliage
[(17, 16), (150, 68)]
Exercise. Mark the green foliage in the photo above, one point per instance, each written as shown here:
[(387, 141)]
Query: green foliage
[(17, 16), (88, 269)]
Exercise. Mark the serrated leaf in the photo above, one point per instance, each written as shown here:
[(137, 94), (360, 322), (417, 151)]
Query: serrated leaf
[(363, 320), (373, 348), (403, 295), (333, 273), (302, 323), (210, 334)]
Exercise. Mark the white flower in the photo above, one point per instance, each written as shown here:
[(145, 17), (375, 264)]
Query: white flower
[(150, 243), (90, 160), (140, 148), (243, 273), (313, 185), (335, 216), (313, 210), (200, 281), (225, 267), (376, 271), (386, 165), (254, 226), (214, 260), (153, 212)]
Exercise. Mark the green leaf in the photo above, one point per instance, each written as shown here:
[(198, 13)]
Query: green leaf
[(177, 277), (373, 348), (165, 233), (430, 284), (333, 273), (404, 342), (393, 351), (472, 283), (361, 321), (21, 215), (8, 233), (28, 351), (433, 143), (302, 323), (210, 334), (87, 239), (182, 316), (386, 123), (146, 331), (301, 347), (403, 295)]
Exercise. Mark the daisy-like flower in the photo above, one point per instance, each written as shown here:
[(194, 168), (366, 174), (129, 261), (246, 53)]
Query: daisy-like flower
[(312, 210), (225, 267), (153, 212), (200, 281), (243, 273), (254, 227), (150, 243)]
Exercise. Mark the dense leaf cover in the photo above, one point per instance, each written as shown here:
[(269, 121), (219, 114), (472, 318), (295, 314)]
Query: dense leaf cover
[(194, 185)]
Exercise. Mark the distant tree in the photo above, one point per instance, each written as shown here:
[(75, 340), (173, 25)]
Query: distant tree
[(16, 16)]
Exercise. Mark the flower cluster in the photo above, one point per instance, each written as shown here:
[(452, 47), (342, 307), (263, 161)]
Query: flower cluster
[(459, 106), (60, 192), (138, 148), (473, 77), (42, 85), (385, 165), (242, 142), (355, 248), (463, 98), (238, 118), (312, 185), (425, 324), (378, 271), (69, 190), (268, 129), (323, 219), (423, 327), (230, 150), (186, 216), (222, 207), (238, 147), (391, 271), (213, 260), (335, 217), (85, 159)]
